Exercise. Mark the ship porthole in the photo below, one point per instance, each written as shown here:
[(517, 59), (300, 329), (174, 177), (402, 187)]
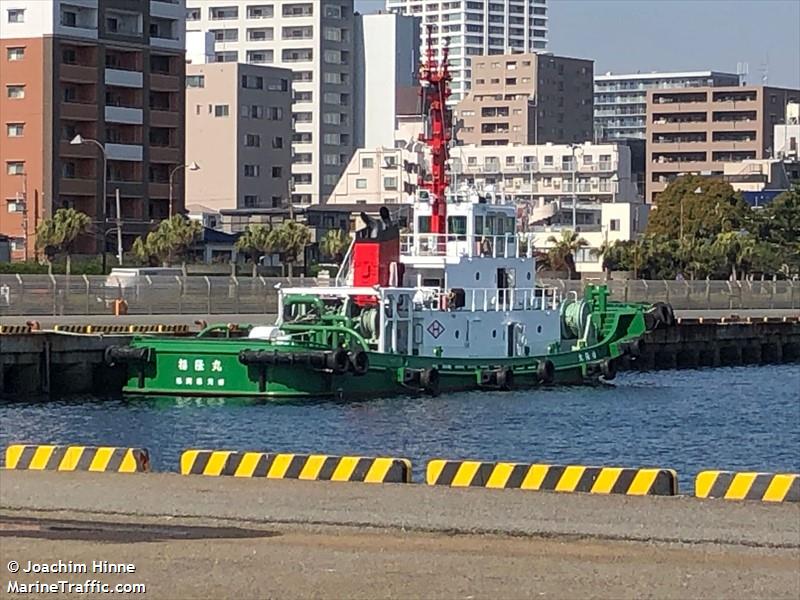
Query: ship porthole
[(494, 333), (456, 333), (477, 276), (538, 329), (529, 276)]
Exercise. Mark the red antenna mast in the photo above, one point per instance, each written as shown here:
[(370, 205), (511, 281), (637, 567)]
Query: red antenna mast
[(435, 80)]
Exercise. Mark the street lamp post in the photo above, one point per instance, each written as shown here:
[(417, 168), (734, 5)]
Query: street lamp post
[(79, 140), (193, 166), (574, 188)]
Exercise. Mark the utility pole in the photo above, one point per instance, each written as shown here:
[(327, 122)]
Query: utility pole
[(119, 227)]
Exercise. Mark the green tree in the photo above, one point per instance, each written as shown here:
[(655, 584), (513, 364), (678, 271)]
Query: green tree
[(334, 244), (58, 234), (736, 248), (563, 250), (255, 241), (289, 239), (172, 239), (701, 206)]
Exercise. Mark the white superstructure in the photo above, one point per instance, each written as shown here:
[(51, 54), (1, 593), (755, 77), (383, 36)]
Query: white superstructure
[(478, 27)]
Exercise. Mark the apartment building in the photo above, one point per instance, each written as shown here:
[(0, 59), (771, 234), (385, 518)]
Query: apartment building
[(386, 66), (620, 100), (696, 131), (382, 175), (315, 40), (109, 71), (478, 27), (239, 131), (527, 99)]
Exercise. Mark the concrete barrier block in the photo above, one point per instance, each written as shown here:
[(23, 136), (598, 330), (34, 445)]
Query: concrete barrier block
[(319, 467), (77, 458), (731, 485), (554, 478)]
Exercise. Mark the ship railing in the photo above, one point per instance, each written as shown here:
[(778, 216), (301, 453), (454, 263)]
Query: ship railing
[(502, 299), (455, 244)]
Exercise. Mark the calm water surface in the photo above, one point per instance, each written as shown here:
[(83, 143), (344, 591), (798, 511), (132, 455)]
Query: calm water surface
[(732, 418)]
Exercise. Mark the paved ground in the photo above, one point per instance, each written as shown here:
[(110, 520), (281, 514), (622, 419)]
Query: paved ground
[(173, 319), (226, 537)]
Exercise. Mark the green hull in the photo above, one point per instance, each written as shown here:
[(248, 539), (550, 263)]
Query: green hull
[(206, 366)]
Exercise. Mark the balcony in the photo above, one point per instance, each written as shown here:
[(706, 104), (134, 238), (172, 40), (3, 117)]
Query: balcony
[(124, 152), (158, 190), (131, 79), (78, 187), (67, 150), (165, 155), (680, 167), (75, 111), (121, 114), (164, 118), (167, 9), (165, 83), (78, 73)]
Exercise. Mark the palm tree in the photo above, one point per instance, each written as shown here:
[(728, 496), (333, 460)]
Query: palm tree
[(255, 241), (174, 236), (290, 239), (603, 252), (58, 233), (562, 253), (334, 244)]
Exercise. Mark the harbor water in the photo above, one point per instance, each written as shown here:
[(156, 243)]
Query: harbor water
[(742, 418)]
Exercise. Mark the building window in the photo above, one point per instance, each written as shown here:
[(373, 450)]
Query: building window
[(367, 163), (548, 161), (17, 53), (15, 167), (251, 200), (229, 56), (252, 82), (276, 113), (305, 9), (195, 81), (223, 13), (277, 172), (390, 183), (361, 184), (15, 92), (261, 34), (252, 140), (614, 224), (252, 170), (15, 129), (192, 14), (331, 118), (333, 11), (331, 139), (221, 110), (225, 35), (16, 15), (277, 142), (260, 57), (330, 159), (260, 11), (330, 179)]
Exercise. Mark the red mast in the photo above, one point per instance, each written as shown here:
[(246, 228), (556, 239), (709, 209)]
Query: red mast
[(435, 90)]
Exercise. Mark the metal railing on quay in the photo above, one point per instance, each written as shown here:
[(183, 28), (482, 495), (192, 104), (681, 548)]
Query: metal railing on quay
[(55, 295)]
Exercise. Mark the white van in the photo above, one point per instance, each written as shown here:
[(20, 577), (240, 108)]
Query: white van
[(126, 282)]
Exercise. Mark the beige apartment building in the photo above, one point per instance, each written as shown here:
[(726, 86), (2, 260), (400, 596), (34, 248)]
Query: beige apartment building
[(111, 72), (239, 132), (527, 99), (698, 130)]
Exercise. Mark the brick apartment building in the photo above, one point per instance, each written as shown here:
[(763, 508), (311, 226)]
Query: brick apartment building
[(111, 71), (698, 130)]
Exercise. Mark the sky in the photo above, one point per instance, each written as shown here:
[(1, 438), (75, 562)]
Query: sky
[(626, 36)]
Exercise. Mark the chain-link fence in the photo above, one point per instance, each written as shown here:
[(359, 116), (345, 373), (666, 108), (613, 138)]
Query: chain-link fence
[(93, 295)]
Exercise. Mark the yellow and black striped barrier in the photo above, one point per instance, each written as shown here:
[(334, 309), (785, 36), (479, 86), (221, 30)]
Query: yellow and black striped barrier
[(77, 458), (319, 467), (15, 329), (108, 328), (730, 485), (554, 478)]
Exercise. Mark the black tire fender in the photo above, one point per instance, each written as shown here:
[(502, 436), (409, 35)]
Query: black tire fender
[(429, 380), (608, 368), (358, 362), (505, 379), (545, 371), (337, 360)]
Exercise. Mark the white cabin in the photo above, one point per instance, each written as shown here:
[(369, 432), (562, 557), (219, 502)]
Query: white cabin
[(466, 293)]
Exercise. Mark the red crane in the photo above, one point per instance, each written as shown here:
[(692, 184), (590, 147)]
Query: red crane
[(435, 80)]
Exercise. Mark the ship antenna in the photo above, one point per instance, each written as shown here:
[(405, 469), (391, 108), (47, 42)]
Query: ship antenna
[(435, 90)]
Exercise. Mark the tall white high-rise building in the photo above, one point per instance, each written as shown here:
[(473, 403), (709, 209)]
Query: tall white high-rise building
[(477, 28), (315, 39)]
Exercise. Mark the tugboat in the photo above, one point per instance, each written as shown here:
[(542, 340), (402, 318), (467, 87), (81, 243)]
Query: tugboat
[(451, 305)]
